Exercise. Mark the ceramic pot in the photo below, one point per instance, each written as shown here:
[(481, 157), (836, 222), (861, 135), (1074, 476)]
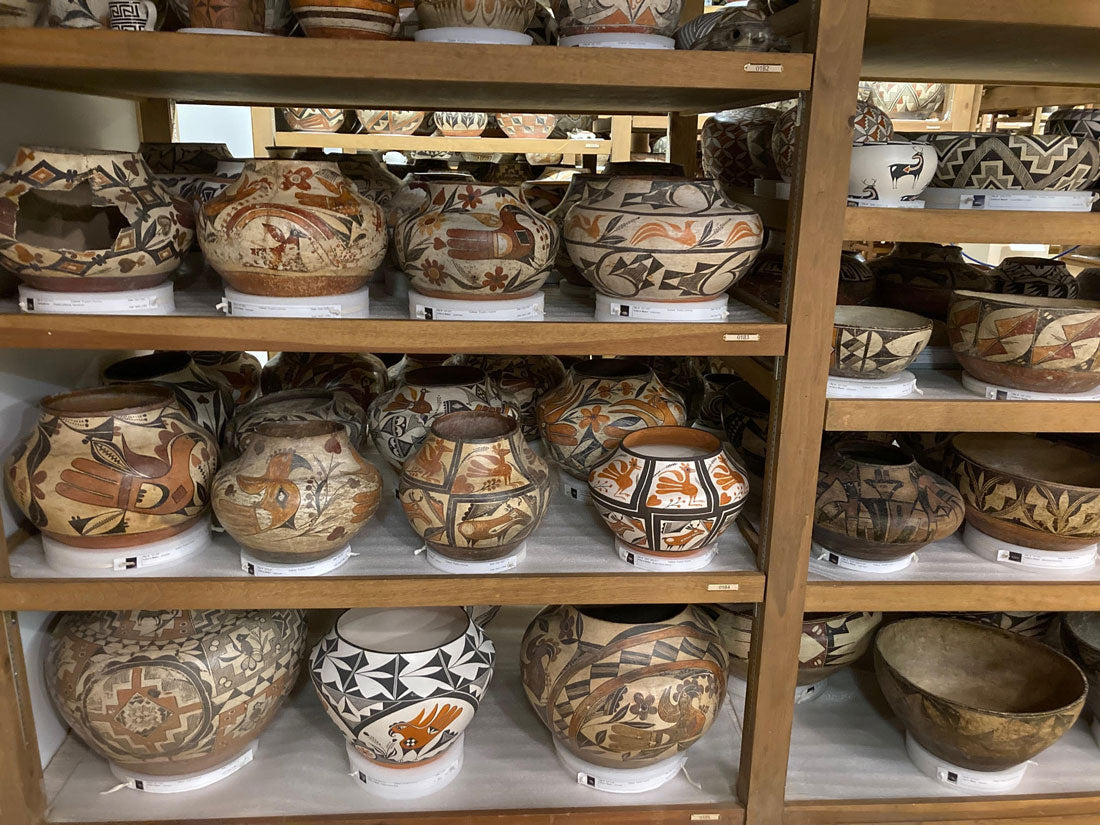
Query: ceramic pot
[(1076, 122), (730, 30), (277, 15), (706, 405), (312, 119), (361, 375), (113, 467), (875, 342), (613, 17), (578, 189), (857, 281), (745, 414), (829, 641), (624, 686), (298, 405), (661, 239), (370, 177), (890, 173), (438, 664), (1027, 490), (999, 160), (399, 419), (874, 502), (460, 124), (88, 222), (1039, 277), (184, 158), (584, 418), (390, 121), (1088, 283), (510, 15), (204, 396), (544, 195), (398, 363), (292, 228), (1030, 624), (473, 490), (173, 692), (22, 14), (737, 147), (909, 101), (980, 698), (240, 370), (474, 242), (929, 449), (299, 491), (869, 125), (1027, 343), (359, 19), (1080, 635), (682, 375), (920, 277), (526, 378), (526, 125), (669, 491)]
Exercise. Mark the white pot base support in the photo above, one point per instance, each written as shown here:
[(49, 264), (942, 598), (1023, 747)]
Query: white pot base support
[(155, 300), (473, 34), (427, 308), (410, 782), (896, 386), (711, 311), (620, 780), (830, 562), (185, 782), (614, 40), (666, 564), (125, 561), (998, 393), (349, 305), (1015, 555), (254, 566), (464, 566), (963, 779)]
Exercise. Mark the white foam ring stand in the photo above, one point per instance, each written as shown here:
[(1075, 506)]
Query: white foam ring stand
[(998, 393), (411, 782), (473, 34), (426, 308), (255, 566), (618, 41), (620, 780), (802, 693), (870, 204), (713, 311), (896, 386), (823, 560), (154, 300), (993, 549), (966, 780), (666, 564), (124, 561), (147, 783), (348, 305), (1008, 200), (574, 489), (465, 566)]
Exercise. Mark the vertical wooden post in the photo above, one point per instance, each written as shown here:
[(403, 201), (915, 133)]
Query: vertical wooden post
[(155, 121), (621, 132), (263, 131), (22, 797), (683, 141), (814, 232)]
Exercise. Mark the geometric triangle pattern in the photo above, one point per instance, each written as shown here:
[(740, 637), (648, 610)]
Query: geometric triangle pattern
[(987, 161)]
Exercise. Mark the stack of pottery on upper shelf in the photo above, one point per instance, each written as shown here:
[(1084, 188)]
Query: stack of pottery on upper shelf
[(391, 121), (763, 283)]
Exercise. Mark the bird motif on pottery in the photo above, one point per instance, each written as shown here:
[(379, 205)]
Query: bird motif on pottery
[(621, 473), (493, 466), (511, 241), (417, 734), (675, 482), (281, 497), (683, 539), (540, 651), (687, 723)]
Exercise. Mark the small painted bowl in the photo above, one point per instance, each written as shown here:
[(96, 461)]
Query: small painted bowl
[(876, 342), (313, 119), (460, 124), (509, 15), (359, 19), (390, 121), (526, 125)]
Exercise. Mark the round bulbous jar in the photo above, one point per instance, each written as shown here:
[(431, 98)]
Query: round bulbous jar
[(875, 502), (624, 686), (669, 491), (298, 492), (475, 242), (400, 418), (438, 664), (661, 239), (88, 221), (1040, 277), (292, 228), (745, 413), (240, 370), (578, 189), (173, 692), (525, 377), (857, 280), (473, 490), (361, 375), (116, 466), (920, 277), (737, 146), (370, 176), (298, 405), (583, 419)]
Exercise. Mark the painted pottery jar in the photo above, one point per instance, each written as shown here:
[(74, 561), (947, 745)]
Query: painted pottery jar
[(398, 363), (920, 277), (1080, 636), (525, 377), (1077, 122), (399, 419), (737, 146), (361, 375), (745, 414), (240, 370), (669, 491), (980, 698), (683, 375), (875, 342), (203, 395), (584, 418), (78, 14), (705, 407), (438, 664), (929, 449), (875, 502), (829, 641), (909, 101), (544, 194), (661, 239), (869, 125), (516, 125), (509, 15), (1026, 623), (359, 19), (292, 228), (390, 121), (999, 160), (22, 14), (617, 17), (184, 158), (730, 30), (298, 405), (371, 178), (88, 222), (1040, 277), (577, 190), (1026, 490), (461, 124), (624, 686), (113, 467), (278, 16), (173, 692), (890, 173), (473, 490), (475, 242), (1027, 343), (857, 280), (299, 491), (306, 119)]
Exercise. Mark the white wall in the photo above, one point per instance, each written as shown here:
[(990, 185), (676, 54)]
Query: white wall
[(231, 125)]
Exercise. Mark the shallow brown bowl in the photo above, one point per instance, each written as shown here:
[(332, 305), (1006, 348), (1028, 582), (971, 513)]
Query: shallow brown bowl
[(876, 342)]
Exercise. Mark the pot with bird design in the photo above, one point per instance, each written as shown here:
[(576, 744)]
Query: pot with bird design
[(475, 242)]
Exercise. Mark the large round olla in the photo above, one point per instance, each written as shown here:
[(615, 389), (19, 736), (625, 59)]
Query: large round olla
[(661, 239), (891, 172), (978, 697), (436, 663), (173, 692)]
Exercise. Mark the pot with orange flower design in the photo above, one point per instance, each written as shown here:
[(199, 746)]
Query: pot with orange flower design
[(475, 242), (653, 238), (292, 228), (299, 492), (669, 491), (584, 418), (474, 490)]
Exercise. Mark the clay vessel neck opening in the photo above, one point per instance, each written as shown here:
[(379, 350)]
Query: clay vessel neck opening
[(130, 398), (674, 443), (879, 455), (474, 426), (402, 629), (631, 614), (147, 367), (299, 429), (612, 368), (444, 376)]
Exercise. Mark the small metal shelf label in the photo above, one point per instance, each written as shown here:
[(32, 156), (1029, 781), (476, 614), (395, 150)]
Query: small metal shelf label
[(741, 336), (723, 587), (764, 68), (705, 817)]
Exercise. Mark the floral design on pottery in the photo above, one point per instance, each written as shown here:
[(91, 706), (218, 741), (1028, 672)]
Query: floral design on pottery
[(307, 119), (1027, 343), (661, 239), (240, 370), (1040, 277), (905, 100), (526, 125), (361, 375), (875, 342), (173, 692), (668, 491), (869, 125), (390, 121), (653, 17), (360, 19), (524, 377), (624, 686), (461, 124), (475, 242), (737, 146), (474, 490), (438, 664), (88, 221), (113, 467), (298, 405), (985, 160), (292, 228), (511, 15), (920, 277)]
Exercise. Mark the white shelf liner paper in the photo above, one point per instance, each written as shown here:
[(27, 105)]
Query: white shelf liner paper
[(997, 393)]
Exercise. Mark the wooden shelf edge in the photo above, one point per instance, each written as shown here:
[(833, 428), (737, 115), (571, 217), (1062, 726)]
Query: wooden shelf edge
[(979, 415), (967, 225), (951, 595), (1022, 809)]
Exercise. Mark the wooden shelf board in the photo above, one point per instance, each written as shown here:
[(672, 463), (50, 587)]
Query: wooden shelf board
[(270, 71), (439, 143), (970, 226), (1015, 809), (1012, 98), (948, 406)]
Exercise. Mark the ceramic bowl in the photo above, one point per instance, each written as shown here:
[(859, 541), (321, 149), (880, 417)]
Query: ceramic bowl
[(1026, 342), (982, 160), (460, 124), (526, 125), (1081, 641), (1027, 490), (509, 15), (891, 172), (981, 698), (905, 100), (876, 342), (309, 119), (390, 121), (359, 19), (1077, 122)]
